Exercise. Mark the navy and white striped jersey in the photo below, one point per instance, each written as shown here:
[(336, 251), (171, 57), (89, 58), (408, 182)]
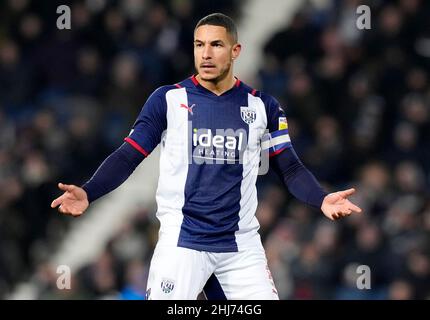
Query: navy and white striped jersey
[(210, 154)]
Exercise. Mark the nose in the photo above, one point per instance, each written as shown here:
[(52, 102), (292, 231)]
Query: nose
[(207, 52)]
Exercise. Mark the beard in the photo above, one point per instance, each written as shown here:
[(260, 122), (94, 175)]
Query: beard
[(217, 77)]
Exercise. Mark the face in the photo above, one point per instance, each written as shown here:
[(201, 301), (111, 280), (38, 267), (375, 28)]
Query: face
[(214, 52)]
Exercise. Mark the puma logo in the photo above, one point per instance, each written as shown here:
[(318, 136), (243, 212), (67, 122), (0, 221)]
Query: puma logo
[(190, 109)]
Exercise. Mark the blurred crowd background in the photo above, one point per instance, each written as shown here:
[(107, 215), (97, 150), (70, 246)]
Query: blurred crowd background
[(358, 104)]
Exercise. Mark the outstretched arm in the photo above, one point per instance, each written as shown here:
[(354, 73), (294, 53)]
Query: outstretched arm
[(110, 175), (303, 185), (143, 138)]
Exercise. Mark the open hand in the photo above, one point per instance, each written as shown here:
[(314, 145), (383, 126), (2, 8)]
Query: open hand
[(336, 205), (73, 201)]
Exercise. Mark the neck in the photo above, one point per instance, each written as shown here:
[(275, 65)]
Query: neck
[(218, 86)]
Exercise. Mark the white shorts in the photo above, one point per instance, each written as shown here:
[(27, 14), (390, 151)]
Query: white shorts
[(182, 274)]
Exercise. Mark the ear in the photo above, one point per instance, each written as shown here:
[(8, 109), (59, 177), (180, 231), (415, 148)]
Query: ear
[(235, 51)]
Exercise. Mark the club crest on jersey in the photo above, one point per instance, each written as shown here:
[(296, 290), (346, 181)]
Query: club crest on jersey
[(248, 115), (167, 285)]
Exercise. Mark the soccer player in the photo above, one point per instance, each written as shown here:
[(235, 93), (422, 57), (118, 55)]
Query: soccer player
[(211, 129)]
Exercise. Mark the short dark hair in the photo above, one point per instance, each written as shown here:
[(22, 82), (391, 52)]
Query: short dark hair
[(221, 20)]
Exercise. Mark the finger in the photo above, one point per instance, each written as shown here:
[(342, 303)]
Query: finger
[(355, 208), (346, 193), (57, 201), (348, 205), (76, 214), (347, 212), (66, 187), (64, 210), (61, 209)]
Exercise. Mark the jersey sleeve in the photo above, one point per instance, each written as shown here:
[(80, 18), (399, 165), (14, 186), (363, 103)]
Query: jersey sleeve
[(277, 139), (149, 126)]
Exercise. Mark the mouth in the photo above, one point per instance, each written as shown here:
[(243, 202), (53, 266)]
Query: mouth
[(207, 66)]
